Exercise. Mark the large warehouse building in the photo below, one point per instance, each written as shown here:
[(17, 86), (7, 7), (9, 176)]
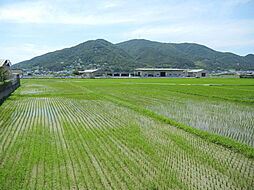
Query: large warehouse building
[(169, 72)]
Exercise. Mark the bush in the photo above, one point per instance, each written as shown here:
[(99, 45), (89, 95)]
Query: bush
[(7, 81)]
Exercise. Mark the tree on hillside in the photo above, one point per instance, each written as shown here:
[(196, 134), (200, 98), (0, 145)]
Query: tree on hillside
[(4, 75)]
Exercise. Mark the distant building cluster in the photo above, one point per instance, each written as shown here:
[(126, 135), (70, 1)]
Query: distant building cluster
[(148, 72), (5, 67), (139, 72), (170, 72)]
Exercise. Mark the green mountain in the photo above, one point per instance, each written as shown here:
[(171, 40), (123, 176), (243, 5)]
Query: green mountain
[(185, 55), (132, 54), (91, 54)]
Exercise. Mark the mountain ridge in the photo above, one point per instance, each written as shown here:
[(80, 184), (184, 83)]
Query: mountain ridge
[(131, 54)]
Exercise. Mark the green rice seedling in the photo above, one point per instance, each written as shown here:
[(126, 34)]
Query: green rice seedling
[(98, 135)]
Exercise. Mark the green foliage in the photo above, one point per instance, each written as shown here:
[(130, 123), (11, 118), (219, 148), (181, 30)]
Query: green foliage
[(7, 81), (4, 75)]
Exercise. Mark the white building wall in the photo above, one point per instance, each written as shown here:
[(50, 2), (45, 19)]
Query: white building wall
[(170, 73)]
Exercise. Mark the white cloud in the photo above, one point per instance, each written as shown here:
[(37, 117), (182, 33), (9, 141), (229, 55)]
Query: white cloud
[(111, 4), (48, 12), (44, 12), (63, 12), (23, 12), (217, 35), (207, 22), (24, 52), (236, 2)]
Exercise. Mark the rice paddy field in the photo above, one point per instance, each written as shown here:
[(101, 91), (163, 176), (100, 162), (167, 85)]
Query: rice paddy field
[(150, 134)]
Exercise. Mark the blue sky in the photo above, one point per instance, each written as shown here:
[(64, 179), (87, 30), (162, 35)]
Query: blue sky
[(30, 28)]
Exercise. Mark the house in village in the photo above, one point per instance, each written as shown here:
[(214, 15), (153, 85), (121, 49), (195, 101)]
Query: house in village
[(17, 72), (169, 72), (5, 69)]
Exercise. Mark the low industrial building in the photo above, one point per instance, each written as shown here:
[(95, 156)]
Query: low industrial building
[(89, 72), (247, 76), (159, 72), (118, 74), (169, 72), (196, 73)]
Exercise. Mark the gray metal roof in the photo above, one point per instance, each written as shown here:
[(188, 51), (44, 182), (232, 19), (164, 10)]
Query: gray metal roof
[(89, 71), (3, 61), (195, 70)]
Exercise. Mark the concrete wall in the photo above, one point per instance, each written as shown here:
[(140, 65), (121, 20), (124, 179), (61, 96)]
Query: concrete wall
[(7, 89)]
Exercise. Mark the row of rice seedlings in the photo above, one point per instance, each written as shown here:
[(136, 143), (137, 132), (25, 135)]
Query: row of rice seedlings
[(47, 153), (29, 88), (65, 166), (215, 172), (31, 146), (159, 180), (226, 119), (197, 164), (104, 123), (139, 157), (180, 166), (19, 148), (37, 154), (9, 134), (122, 122), (56, 109), (6, 132), (18, 125), (20, 141), (223, 118), (55, 178), (217, 167), (226, 157), (117, 122), (179, 160), (68, 117), (45, 147), (97, 126)]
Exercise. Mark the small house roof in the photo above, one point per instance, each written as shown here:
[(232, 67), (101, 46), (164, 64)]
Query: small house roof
[(5, 61)]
